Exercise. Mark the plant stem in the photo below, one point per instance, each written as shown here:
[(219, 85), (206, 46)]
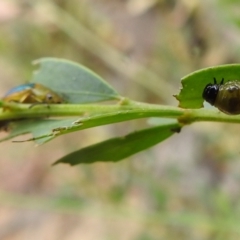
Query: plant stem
[(135, 109), (17, 111)]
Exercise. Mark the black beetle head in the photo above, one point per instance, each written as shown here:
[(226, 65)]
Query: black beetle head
[(210, 92)]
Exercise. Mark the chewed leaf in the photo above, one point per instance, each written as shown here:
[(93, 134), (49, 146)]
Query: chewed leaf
[(74, 82), (116, 149), (42, 130), (193, 84)]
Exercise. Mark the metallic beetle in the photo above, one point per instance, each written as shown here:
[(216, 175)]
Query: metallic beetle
[(32, 93)]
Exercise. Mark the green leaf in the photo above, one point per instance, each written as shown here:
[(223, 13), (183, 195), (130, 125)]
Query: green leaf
[(193, 84), (42, 130), (116, 149), (74, 82)]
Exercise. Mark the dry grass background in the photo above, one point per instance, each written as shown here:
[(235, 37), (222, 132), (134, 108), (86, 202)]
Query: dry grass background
[(185, 188)]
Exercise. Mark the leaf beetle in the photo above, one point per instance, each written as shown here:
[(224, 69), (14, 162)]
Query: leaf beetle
[(224, 96), (32, 93)]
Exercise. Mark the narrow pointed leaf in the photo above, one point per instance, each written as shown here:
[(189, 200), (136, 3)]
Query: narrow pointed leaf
[(116, 149), (74, 82), (193, 84)]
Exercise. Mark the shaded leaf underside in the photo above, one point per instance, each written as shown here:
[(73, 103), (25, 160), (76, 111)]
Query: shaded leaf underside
[(116, 149)]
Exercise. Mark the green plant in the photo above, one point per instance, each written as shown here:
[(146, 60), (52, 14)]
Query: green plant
[(82, 88)]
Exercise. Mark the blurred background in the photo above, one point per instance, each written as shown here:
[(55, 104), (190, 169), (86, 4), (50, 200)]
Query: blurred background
[(185, 188)]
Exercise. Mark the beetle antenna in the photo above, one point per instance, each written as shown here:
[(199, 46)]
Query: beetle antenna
[(215, 81), (221, 83)]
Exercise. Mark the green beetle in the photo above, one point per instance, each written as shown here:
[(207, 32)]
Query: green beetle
[(32, 93), (29, 93)]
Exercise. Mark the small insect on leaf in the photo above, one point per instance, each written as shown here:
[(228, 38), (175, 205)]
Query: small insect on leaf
[(193, 85), (224, 96), (32, 93)]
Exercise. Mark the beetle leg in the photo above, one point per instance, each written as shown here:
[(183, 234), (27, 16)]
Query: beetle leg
[(36, 101), (39, 103), (25, 96)]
